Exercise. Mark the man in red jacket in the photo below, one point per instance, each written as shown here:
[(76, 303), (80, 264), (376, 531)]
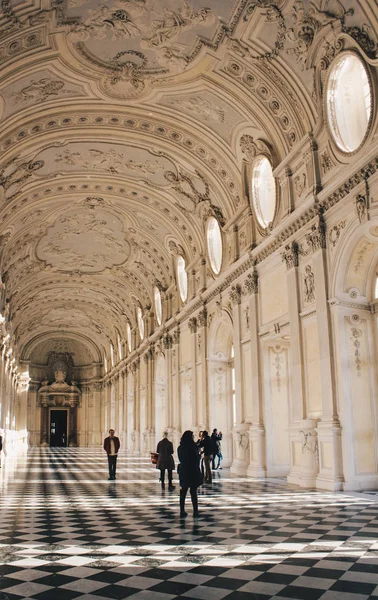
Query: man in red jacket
[(111, 447)]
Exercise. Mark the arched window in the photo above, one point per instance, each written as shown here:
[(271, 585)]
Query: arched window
[(348, 100), (158, 306), (182, 278), (129, 337), (105, 363), (112, 354), (140, 322), (120, 349), (214, 245), (376, 289), (263, 191)]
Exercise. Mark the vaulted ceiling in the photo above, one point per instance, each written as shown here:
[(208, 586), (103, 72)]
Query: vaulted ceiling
[(120, 124)]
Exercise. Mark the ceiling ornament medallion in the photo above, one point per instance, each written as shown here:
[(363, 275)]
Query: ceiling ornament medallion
[(88, 241), (137, 41)]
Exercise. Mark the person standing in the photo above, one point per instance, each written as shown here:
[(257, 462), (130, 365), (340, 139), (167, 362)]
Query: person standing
[(207, 456), (111, 447), (215, 447), (165, 460), (189, 472)]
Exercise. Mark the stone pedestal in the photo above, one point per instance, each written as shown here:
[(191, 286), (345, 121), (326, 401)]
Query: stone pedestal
[(240, 436)]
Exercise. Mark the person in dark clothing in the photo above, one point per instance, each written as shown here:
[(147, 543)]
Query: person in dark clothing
[(165, 460), (215, 447), (189, 471), (111, 447), (207, 455)]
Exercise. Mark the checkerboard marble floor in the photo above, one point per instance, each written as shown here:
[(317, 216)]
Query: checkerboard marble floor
[(67, 532)]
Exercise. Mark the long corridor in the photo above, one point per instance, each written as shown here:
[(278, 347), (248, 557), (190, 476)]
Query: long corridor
[(67, 532)]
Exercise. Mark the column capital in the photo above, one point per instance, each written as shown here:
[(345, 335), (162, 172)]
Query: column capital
[(316, 237), (251, 283), (290, 255), (235, 294), (202, 317), (192, 324)]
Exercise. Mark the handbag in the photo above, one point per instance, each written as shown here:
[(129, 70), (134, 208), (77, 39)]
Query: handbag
[(154, 457)]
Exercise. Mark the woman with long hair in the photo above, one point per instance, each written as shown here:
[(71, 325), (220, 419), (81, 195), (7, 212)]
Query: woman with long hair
[(189, 472)]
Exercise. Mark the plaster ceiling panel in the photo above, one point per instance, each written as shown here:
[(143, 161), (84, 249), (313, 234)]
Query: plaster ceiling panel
[(115, 159), (36, 88), (208, 109), (84, 240), (65, 317), (156, 37)]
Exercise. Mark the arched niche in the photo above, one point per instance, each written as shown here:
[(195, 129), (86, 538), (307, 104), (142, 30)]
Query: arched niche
[(354, 313), (221, 381)]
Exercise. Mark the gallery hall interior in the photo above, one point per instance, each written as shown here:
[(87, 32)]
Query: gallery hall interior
[(189, 299)]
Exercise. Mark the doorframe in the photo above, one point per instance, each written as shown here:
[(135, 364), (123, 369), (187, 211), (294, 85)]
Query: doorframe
[(51, 408)]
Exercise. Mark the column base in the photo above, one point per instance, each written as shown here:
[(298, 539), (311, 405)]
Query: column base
[(330, 475)]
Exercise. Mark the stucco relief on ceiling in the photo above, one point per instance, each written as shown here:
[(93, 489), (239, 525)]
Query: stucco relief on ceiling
[(208, 109), (144, 38), (111, 158), (36, 88), (65, 317), (85, 241)]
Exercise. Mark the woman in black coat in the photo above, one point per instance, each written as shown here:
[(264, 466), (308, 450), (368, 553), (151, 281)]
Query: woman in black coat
[(189, 471)]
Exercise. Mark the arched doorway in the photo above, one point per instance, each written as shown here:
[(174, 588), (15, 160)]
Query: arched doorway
[(222, 382)]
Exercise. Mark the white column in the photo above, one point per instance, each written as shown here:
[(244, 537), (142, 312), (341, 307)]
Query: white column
[(328, 429), (240, 431), (257, 440)]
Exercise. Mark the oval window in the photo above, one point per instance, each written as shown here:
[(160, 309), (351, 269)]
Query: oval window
[(263, 191), (158, 307), (182, 278), (214, 244), (348, 101), (129, 337), (140, 322)]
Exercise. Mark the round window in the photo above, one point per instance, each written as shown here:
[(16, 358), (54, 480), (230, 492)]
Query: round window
[(129, 339), (140, 322), (214, 244), (182, 278), (158, 308), (263, 191), (348, 99)]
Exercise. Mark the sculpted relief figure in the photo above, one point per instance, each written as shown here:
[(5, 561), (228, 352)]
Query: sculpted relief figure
[(38, 91), (15, 172), (173, 22), (105, 20), (109, 161), (198, 105), (309, 285)]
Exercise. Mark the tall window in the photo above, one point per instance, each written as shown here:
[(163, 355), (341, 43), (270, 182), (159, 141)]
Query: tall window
[(140, 322), (120, 349), (263, 191), (214, 245), (182, 278), (158, 307), (112, 354), (233, 395), (105, 363), (129, 337), (376, 289), (348, 99)]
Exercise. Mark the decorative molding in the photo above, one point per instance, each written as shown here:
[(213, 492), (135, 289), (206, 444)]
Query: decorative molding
[(335, 233), (361, 205), (202, 317)]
